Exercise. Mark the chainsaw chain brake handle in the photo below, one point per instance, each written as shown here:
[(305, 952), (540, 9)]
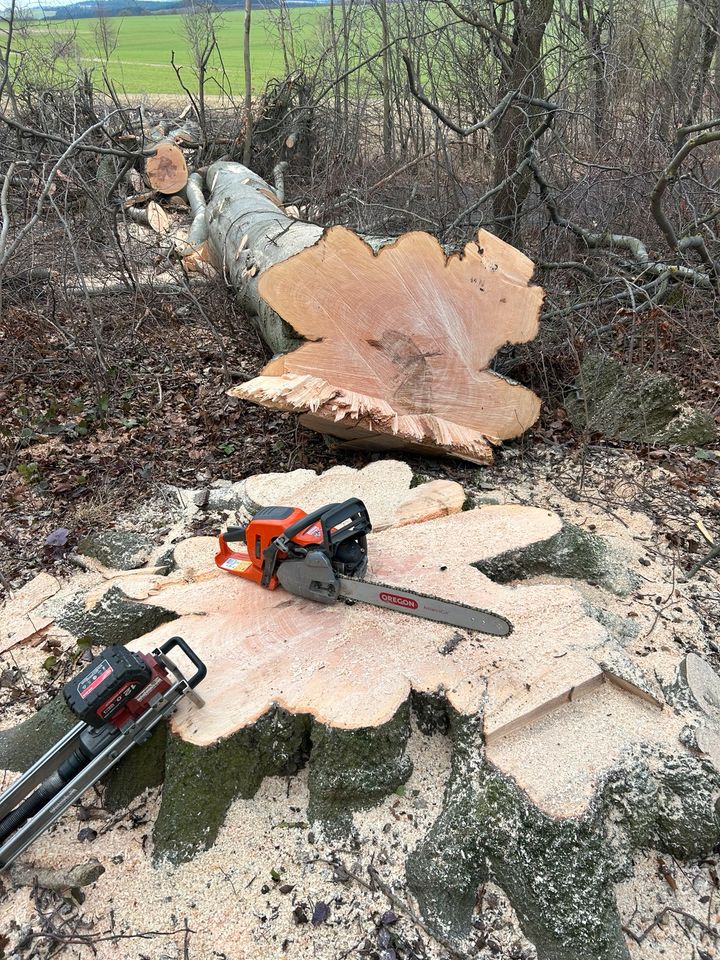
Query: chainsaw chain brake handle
[(338, 523)]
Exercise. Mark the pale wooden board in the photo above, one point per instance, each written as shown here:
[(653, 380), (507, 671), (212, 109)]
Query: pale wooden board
[(20, 620)]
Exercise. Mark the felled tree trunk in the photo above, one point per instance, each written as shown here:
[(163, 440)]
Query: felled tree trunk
[(381, 343)]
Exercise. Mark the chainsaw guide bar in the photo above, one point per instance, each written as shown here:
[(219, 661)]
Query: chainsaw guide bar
[(323, 556), (453, 613)]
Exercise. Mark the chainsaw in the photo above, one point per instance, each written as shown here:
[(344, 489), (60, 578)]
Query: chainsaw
[(119, 698), (323, 556)]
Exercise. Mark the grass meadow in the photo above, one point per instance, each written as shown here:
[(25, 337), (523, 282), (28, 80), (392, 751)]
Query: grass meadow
[(140, 60)]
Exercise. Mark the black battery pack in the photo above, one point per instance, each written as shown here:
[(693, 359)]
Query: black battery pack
[(113, 677)]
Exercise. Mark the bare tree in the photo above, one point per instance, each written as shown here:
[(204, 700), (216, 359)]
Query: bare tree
[(247, 149)]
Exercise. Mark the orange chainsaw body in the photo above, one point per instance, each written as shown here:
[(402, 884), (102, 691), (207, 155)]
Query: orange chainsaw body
[(266, 526)]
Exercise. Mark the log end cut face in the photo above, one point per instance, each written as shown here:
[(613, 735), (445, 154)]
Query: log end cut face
[(400, 341), (166, 169)]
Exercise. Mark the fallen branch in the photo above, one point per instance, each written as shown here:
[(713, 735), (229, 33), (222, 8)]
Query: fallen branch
[(57, 879), (711, 555), (616, 241)]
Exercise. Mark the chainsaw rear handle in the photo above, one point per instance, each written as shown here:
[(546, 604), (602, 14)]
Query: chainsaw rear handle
[(331, 516), (201, 671), (234, 534)]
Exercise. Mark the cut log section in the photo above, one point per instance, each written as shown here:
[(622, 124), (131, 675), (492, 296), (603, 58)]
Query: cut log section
[(152, 216), (165, 169), (386, 344)]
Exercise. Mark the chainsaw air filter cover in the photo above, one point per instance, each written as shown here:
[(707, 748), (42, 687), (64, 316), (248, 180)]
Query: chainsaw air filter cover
[(113, 678)]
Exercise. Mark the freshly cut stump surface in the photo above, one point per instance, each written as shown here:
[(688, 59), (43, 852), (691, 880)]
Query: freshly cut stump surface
[(385, 487), (385, 344), (567, 754), (308, 658)]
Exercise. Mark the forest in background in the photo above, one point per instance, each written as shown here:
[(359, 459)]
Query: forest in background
[(585, 133)]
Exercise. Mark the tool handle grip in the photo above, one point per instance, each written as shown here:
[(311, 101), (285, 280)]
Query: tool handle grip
[(201, 671), (307, 521), (233, 534), (332, 515)]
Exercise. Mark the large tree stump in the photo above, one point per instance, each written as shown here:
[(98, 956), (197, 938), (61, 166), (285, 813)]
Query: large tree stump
[(383, 344), (385, 486), (566, 755)]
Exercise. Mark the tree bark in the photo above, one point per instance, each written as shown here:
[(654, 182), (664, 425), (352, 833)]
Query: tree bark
[(385, 344), (522, 72), (247, 147)]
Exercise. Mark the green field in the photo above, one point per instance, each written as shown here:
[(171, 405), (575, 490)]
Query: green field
[(140, 62)]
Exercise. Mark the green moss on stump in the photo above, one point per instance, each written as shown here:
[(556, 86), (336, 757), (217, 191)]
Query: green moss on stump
[(573, 552), (353, 769), (202, 782), (23, 744), (143, 767), (667, 802), (115, 618), (556, 873), (627, 403), (430, 711), (121, 549)]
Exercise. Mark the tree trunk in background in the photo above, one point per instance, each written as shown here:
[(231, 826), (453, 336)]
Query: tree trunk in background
[(684, 55), (522, 72), (707, 47), (248, 84)]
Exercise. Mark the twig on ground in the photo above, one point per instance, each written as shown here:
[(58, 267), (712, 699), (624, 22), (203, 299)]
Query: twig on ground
[(640, 937), (377, 882), (715, 552)]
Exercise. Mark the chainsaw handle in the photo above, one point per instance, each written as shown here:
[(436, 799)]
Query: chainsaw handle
[(234, 534), (329, 516), (307, 521), (201, 669)]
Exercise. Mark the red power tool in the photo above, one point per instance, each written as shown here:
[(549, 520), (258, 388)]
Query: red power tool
[(323, 556), (119, 698)]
